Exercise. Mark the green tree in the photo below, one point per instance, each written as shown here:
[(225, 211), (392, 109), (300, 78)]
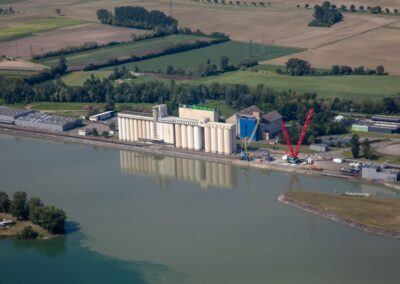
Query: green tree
[(355, 146), (4, 202), (224, 63), (27, 233), (366, 149), (18, 206), (380, 70), (104, 16), (33, 203), (50, 218)]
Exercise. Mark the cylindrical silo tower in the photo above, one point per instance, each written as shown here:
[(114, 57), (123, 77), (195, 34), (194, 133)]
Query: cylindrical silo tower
[(184, 136), (198, 138), (220, 147), (227, 141), (190, 134), (207, 139), (214, 140), (119, 128), (178, 136)]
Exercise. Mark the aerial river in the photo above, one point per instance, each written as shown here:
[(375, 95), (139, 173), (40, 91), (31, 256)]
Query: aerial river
[(136, 218)]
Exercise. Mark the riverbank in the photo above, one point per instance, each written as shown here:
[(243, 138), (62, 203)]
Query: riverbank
[(174, 152), (13, 230), (374, 216)]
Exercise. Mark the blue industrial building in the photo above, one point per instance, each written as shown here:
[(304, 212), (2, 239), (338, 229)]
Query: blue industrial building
[(247, 125)]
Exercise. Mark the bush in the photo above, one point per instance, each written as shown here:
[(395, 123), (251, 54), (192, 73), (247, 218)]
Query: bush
[(325, 15), (50, 218), (27, 233)]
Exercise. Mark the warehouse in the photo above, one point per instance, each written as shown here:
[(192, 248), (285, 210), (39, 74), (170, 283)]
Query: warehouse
[(378, 126), (48, 122), (378, 173), (246, 120), (102, 116), (182, 132), (9, 115)]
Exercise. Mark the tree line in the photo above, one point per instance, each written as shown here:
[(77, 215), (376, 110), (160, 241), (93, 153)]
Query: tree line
[(300, 67), (361, 9), (48, 217), (137, 17)]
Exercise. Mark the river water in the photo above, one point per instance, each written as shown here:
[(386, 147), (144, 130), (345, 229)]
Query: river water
[(136, 218)]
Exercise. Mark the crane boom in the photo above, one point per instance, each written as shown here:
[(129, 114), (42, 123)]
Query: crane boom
[(295, 153), (247, 141), (304, 131)]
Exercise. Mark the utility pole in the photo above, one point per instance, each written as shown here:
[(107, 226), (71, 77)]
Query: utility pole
[(30, 48), (170, 8)]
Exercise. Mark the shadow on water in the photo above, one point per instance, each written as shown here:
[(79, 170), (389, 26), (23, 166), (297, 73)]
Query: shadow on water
[(65, 260)]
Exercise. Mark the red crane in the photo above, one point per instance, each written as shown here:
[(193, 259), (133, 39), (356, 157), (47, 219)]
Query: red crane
[(292, 156)]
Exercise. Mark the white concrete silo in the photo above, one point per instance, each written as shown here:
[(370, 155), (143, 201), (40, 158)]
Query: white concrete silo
[(190, 134), (198, 138), (184, 136), (207, 139), (220, 140), (227, 141), (214, 140), (178, 136)]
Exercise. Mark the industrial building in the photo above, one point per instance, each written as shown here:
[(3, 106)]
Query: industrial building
[(268, 124), (379, 173), (203, 132), (102, 116), (48, 122), (9, 115), (378, 124)]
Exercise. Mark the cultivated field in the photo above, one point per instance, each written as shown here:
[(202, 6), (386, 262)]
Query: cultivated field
[(351, 87), (17, 31), (19, 65), (191, 60), (70, 36), (140, 48), (377, 47)]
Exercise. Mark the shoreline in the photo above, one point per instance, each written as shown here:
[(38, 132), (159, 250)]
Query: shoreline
[(173, 152), (334, 217)]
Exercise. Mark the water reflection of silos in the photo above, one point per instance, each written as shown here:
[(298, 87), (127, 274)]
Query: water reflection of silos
[(164, 168)]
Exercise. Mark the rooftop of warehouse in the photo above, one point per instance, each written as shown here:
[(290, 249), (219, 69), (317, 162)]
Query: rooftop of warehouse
[(175, 118), (140, 113), (106, 112), (272, 116), (8, 111), (250, 110), (47, 118)]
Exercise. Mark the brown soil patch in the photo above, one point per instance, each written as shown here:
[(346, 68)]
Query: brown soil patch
[(20, 65), (70, 36)]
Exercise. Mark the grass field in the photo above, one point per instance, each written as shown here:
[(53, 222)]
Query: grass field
[(140, 48), (375, 213), (191, 60), (352, 87), (36, 26)]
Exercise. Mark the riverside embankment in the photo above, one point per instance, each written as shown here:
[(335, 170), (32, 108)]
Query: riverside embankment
[(347, 213), (171, 151)]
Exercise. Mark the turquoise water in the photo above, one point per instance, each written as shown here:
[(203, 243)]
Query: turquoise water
[(151, 219)]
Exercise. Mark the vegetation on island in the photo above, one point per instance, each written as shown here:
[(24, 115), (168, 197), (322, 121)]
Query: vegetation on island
[(325, 15), (32, 217), (361, 212)]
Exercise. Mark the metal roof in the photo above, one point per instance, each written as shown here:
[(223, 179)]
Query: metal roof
[(250, 110), (8, 111), (272, 116), (47, 119)]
